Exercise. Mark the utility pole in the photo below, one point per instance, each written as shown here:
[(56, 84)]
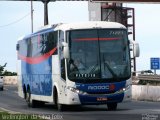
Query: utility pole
[(32, 16), (45, 2)]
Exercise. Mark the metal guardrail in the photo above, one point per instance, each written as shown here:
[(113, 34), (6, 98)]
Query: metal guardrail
[(155, 78)]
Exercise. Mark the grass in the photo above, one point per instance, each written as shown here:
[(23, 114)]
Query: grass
[(8, 116)]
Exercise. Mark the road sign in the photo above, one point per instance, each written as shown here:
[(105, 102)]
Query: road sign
[(155, 63)]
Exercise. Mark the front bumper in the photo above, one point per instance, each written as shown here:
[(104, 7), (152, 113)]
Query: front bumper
[(100, 99), (97, 99), (93, 99)]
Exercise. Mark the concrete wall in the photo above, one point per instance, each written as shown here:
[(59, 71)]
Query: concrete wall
[(10, 80), (139, 92), (146, 92)]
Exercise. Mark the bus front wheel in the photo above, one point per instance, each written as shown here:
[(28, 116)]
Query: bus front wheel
[(112, 106), (60, 107)]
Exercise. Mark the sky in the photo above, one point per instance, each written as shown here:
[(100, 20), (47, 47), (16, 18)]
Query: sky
[(15, 21)]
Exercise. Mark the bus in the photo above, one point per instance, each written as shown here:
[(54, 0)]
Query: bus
[(87, 63)]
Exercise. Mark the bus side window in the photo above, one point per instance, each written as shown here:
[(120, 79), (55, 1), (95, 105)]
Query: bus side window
[(61, 39)]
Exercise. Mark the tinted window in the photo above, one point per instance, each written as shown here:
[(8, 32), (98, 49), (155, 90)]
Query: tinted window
[(98, 54)]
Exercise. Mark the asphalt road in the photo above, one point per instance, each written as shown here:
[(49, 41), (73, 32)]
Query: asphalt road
[(135, 110)]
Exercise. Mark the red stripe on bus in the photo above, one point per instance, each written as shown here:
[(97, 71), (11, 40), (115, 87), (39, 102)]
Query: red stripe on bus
[(36, 60), (93, 39)]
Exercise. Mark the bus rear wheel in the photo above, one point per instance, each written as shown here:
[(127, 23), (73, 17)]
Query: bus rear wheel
[(112, 106), (30, 102), (28, 98)]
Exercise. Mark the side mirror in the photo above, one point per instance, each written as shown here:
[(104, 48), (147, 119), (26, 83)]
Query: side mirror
[(136, 50), (65, 50)]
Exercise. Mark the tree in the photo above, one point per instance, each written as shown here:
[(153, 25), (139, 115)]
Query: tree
[(2, 69), (6, 73)]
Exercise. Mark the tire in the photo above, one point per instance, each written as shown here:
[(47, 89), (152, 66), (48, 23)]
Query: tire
[(30, 103), (28, 98), (112, 106), (24, 93), (60, 107)]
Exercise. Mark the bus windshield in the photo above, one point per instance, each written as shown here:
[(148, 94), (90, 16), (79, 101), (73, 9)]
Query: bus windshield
[(98, 54)]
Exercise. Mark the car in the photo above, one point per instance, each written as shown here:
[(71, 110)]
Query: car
[(1, 83)]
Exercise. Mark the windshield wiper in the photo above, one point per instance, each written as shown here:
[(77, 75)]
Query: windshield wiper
[(110, 70), (93, 69)]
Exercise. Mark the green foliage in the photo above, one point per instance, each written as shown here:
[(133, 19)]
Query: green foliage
[(6, 73), (2, 69)]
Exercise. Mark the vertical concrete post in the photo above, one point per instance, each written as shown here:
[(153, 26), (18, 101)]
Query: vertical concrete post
[(45, 2), (94, 11), (98, 13)]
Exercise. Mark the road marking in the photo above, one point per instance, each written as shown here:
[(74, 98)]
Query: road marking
[(9, 111)]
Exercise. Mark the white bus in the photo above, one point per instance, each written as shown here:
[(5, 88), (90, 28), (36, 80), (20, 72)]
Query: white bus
[(76, 64)]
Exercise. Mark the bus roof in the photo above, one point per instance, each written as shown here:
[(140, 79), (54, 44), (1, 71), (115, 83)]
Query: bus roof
[(89, 25), (76, 26)]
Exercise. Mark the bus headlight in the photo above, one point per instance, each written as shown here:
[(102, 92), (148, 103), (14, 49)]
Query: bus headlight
[(75, 90), (127, 87)]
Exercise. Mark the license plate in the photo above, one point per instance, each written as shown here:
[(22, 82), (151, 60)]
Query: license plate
[(102, 99)]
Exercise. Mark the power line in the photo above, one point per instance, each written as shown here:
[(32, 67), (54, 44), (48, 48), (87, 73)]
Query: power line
[(14, 22)]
